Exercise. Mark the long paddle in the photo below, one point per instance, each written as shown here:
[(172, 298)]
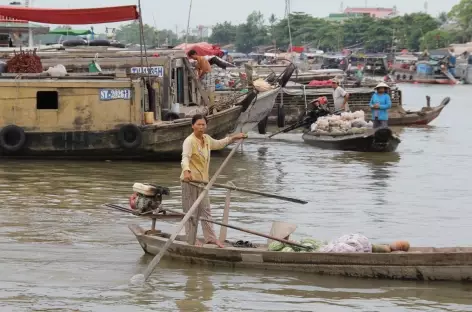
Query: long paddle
[(143, 277), (235, 188), (246, 230)]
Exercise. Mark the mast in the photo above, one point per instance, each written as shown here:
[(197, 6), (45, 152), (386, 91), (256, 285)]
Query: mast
[(30, 29), (188, 23)]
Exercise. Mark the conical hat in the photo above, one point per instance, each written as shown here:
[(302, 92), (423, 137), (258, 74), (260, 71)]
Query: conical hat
[(382, 85)]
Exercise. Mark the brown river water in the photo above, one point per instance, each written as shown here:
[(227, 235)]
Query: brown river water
[(59, 251)]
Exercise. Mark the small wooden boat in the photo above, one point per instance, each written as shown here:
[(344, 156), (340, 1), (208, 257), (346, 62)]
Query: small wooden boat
[(374, 140), (421, 117), (446, 264)]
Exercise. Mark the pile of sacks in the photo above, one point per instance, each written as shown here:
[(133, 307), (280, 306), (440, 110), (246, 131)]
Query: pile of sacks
[(347, 123)]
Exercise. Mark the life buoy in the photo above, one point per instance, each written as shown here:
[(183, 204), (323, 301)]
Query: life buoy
[(74, 43), (129, 136), (280, 116), (262, 126), (411, 77), (12, 138), (99, 43), (404, 76), (170, 116)]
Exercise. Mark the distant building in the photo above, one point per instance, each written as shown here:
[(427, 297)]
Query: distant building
[(373, 12), (340, 17)]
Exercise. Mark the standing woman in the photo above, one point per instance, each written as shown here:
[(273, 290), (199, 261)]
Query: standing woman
[(195, 166), (380, 103)]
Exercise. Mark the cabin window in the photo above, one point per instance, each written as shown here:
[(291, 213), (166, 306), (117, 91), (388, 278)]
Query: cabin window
[(47, 100)]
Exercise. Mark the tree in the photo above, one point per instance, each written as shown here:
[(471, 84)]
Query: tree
[(462, 14), (130, 33), (443, 18), (224, 33), (252, 33), (436, 39)]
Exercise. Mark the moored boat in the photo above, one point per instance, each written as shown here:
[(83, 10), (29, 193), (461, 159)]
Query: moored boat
[(420, 263)]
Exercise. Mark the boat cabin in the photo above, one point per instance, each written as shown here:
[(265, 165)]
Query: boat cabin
[(334, 62), (375, 65), (119, 93)]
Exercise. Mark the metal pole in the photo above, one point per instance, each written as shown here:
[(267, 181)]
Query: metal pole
[(188, 23)]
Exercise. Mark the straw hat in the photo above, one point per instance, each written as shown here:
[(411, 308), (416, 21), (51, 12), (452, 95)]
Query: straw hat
[(382, 85)]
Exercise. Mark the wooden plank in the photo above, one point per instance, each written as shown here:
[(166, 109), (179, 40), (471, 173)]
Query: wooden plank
[(204, 94)]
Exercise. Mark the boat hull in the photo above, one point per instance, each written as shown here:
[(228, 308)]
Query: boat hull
[(368, 142), (449, 264), (159, 141), (422, 117)]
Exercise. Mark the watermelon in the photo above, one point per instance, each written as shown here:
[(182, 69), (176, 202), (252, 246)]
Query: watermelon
[(287, 249), (276, 246), (316, 244)]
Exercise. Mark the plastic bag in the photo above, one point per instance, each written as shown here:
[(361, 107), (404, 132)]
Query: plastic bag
[(261, 85), (349, 243), (57, 71), (313, 126), (359, 123)]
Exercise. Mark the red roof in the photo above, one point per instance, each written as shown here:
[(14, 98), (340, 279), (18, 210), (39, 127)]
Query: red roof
[(373, 12), (72, 16)]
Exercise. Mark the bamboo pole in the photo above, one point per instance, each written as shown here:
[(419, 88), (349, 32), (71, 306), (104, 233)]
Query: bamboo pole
[(239, 189), (285, 241)]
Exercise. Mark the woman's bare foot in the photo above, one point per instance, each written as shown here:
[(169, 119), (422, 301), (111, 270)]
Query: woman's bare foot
[(198, 243), (217, 243)]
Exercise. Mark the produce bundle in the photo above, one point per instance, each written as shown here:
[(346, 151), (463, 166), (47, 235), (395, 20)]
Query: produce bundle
[(311, 244), (346, 123), (25, 62)]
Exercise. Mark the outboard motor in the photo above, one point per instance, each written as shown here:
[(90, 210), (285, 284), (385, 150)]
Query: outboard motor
[(147, 198)]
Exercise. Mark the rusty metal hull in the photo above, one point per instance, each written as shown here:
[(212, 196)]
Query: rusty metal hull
[(433, 264), (161, 141)]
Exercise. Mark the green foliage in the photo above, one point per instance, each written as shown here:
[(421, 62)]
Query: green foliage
[(411, 31)]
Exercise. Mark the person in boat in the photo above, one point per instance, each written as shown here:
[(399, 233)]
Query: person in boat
[(203, 68), (340, 96), (218, 85), (195, 163), (451, 64), (380, 103)]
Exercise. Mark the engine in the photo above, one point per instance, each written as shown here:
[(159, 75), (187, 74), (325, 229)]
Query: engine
[(147, 198)]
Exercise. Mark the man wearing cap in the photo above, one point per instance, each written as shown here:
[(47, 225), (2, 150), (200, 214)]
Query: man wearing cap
[(340, 96), (380, 103)]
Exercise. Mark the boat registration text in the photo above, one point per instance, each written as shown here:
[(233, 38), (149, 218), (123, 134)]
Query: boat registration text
[(153, 71), (115, 94)]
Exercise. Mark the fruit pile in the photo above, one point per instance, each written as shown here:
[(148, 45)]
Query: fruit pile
[(25, 62)]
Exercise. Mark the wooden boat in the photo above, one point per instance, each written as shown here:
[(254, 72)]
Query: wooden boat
[(374, 140), (421, 117), (421, 263)]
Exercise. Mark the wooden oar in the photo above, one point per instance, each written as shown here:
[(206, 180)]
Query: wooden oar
[(157, 258), (235, 188), (246, 230)]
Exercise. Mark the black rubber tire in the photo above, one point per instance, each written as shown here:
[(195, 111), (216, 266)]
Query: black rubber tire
[(280, 116), (74, 43), (99, 43), (118, 45), (383, 134), (262, 125), (12, 138), (129, 136), (170, 116)]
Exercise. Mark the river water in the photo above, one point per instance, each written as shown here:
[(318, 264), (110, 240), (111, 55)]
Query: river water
[(61, 252)]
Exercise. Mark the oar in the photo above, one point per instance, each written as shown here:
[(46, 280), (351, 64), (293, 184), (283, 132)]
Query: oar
[(245, 230), (157, 258), (235, 188)]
